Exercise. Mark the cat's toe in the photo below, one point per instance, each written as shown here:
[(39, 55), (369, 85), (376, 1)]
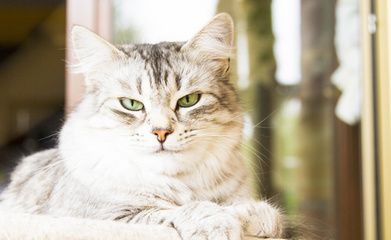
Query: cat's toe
[(264, 220), (216, 227), (210, 222)]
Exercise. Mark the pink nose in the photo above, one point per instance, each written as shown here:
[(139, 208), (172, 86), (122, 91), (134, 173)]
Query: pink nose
[(162, 134)]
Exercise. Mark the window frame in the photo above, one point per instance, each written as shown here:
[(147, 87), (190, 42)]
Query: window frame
[(376, 119), (95, 15)]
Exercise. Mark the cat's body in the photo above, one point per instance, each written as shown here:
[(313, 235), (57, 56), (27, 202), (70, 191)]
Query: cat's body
[(156, 140)]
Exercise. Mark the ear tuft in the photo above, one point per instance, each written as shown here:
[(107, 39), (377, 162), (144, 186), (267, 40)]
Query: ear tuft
[(215, 40), (90, 50)]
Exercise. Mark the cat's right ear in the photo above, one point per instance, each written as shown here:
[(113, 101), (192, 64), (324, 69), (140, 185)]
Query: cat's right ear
[(91, 51), (214, 41)]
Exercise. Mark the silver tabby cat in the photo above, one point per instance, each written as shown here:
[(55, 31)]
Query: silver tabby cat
[(156, 140)]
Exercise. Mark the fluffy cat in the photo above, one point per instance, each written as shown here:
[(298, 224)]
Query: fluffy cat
[(155, 140)]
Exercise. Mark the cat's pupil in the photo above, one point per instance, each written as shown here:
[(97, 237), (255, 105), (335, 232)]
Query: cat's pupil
[(187, 98), (132, 103)]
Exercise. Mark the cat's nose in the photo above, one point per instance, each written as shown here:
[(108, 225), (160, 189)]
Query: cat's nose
[(162, 134)]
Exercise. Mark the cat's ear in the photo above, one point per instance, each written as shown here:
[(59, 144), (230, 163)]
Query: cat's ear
[(91, 51), (215, 40)]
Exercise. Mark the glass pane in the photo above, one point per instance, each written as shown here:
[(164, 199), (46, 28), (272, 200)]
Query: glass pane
[(296, 66)]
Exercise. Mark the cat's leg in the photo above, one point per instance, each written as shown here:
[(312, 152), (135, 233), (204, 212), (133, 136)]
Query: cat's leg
[(32, 226), (194, 221), (258, 218)]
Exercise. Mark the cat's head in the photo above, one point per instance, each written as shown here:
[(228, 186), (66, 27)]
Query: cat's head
[(161, 100)]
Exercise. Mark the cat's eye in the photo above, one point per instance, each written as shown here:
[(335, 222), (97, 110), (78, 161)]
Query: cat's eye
[(131, 104), (189, 100)]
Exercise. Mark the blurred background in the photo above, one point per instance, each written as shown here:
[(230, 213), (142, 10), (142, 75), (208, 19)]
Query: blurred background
[(312, 75)]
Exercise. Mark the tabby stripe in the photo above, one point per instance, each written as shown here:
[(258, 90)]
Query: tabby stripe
[(129, 213), (145, 216), (178, 82), (149, 77), (165, 77), (127, 118), (124, 85), (206, 109), (139, 85)]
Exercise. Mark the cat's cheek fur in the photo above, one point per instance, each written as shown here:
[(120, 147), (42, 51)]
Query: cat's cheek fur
[(102, 122), (112, 161)]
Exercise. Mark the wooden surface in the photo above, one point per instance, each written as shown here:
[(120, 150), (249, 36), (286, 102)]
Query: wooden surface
[(367, 133), (383, 54), (377, 113), (348, 181)]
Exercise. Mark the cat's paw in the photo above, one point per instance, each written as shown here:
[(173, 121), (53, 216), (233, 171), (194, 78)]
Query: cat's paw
[(260, 219), (207, 221)]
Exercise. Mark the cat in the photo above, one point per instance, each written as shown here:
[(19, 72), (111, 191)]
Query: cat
[(155, 140)]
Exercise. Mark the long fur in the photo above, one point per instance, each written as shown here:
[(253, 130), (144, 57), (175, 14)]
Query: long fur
[(109, 164)]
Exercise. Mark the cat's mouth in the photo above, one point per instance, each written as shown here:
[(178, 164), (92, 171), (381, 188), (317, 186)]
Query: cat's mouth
[(164, 150)]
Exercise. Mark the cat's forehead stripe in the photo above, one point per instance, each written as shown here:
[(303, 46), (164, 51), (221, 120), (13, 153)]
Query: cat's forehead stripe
[(139, 82), (177, 81), (157, 60), (124, 84)]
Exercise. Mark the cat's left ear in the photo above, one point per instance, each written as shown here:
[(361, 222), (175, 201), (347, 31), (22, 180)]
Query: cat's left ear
[(92, 51), (214, 41)]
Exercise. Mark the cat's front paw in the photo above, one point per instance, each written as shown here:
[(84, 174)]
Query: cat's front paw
[(207, 221), (260, 219)]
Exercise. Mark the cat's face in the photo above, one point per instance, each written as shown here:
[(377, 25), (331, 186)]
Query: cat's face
[(161, 99)]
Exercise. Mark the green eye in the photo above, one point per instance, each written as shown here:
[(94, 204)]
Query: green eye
[(131, 104), (189, 100)]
